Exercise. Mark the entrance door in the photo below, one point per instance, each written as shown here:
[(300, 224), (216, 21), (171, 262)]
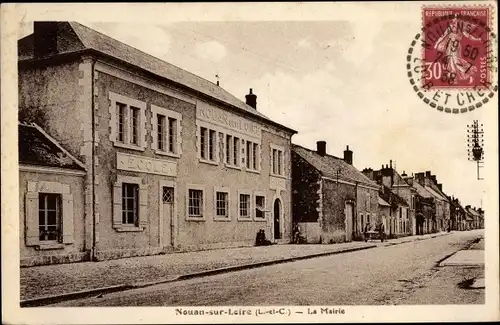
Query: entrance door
[(277, 216), (168, 206), (349, 221)]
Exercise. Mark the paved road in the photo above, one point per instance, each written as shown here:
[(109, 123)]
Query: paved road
[(401, 274)]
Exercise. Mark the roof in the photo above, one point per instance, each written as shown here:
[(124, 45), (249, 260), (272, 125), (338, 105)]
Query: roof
[(328, 166), (422, 191), (37, 148), (389, 196), (91, 39), (382, 202), (435, 193)]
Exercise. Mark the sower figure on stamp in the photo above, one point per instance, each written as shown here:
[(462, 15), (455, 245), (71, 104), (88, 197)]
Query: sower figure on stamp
[(449, 43)]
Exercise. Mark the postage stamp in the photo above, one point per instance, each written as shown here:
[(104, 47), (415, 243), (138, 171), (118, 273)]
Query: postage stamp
[(455, 67)]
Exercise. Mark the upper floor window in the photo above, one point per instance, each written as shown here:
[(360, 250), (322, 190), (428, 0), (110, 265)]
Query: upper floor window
[(208, 145), (232, 151), (252, 156), (277, 163), (127, 122), (166, 126)]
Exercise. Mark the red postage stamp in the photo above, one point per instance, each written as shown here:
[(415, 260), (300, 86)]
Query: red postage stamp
[(457, 47)]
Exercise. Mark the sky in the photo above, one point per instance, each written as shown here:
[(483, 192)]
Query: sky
[(340, 80)]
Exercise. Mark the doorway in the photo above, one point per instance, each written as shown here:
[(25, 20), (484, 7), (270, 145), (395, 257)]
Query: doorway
[(349, 215), (277, 217), (168, 212)]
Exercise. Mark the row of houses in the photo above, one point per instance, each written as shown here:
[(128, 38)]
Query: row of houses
[(122, 154)]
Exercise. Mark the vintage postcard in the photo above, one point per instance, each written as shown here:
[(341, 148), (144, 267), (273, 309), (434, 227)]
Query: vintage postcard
[(249, 162)]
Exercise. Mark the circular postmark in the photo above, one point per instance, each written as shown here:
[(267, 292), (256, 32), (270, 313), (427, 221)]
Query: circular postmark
[(451, 64)]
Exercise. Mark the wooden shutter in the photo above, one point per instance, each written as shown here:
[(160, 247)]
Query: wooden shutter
[(143, 205), (67, 219), (32, 234), (117, 204)]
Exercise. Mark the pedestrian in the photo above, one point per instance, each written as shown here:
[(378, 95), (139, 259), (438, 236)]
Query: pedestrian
[(296, 234), (367, 228), (382, 232)]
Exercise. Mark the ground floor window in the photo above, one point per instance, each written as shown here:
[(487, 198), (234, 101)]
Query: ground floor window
[(49, 216), (222, 203), (244, 205), (195, 203), (130, 204), (260, 206)]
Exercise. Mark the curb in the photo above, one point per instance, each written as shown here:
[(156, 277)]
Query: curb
[(48, 300)]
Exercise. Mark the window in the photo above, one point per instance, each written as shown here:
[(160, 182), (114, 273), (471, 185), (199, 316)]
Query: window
[(166, 125), (49, 214), (172, 134), (236, 151), (244, 205), (161, 132), (49, 217), (260, 206), (211, 145), (252, 156), (255, 156), (229, 150), (249, 158), (368, 219), (127, 122), (208, 145), (134, 125), (121, 121), (195, 203), (222, 204), (203, 140), (277, 160), (130, 204)]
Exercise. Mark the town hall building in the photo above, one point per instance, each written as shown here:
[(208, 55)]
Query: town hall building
[(172, 162)]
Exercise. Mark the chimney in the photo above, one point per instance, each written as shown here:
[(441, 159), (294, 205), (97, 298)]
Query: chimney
[(348, 156), (403, 174), (390, 163), (433, 178), (428, 174), (251, 99), (320, 147), (45, 38), (440, 187)]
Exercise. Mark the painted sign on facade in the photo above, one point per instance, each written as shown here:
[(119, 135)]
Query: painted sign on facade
[(145, 165), (226, 120)]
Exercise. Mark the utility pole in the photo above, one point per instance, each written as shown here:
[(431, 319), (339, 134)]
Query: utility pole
[(475, 144)]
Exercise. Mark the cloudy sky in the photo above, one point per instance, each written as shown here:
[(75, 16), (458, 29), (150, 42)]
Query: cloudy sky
[(342, 80)]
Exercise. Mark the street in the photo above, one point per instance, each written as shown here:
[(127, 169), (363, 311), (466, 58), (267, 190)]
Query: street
[(401, 274)]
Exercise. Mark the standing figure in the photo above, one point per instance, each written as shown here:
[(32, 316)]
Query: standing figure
[(450, 44)]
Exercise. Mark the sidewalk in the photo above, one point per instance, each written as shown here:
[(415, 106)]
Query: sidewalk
[(92, 278)]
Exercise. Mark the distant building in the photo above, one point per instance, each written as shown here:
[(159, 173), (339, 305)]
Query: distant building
[(385, 213), (442, 203), (51, 201), (475, 218), (400, 195), (332, 200), (173, 161), (457, 214)]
